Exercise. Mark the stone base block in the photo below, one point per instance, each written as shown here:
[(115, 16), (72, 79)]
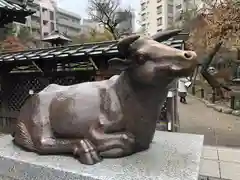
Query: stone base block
[(172, 156)]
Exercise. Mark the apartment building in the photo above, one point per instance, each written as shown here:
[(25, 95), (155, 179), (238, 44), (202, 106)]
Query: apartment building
[(158, 15), (126, 27), (43, 22), (68, 22), (183, 5), (49, 17)]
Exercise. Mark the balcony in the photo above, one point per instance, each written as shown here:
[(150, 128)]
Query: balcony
[(35, 25), (143, 6), (68, 23), (45, 16), (36, 14), (143, 17)]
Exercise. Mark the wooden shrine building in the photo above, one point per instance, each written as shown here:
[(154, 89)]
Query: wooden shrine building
[(13, 11)]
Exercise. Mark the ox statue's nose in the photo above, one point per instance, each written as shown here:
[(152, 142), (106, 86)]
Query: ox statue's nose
[(189, 55)]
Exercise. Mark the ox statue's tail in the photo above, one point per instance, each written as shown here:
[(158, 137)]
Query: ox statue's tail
[(20, 133), (22, 137)]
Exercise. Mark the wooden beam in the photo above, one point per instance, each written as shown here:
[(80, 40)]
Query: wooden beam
[(37, 67), (93, 63)]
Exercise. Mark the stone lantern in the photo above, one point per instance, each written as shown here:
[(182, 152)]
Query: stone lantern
[(56, 39), (235, 93)]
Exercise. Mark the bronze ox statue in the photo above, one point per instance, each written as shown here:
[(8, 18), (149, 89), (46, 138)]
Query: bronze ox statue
[(110, 118)]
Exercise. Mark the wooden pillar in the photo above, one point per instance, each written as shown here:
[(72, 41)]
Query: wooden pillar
[(44, 81), (5, 114), (193, 90), (233, 102), (202, 93), (213, 95)]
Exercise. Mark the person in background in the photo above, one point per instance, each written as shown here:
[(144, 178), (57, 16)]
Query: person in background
[(183, 84)]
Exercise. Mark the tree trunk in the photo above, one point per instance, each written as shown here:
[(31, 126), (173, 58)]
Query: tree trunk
[(212, 81), (210, 56), (112, 31)]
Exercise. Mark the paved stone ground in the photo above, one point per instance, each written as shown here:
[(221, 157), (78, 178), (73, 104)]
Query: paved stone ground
[(220, 162), (219, 129), (221, 153)]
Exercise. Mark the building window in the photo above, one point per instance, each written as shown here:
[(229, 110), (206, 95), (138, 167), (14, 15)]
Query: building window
[(178, 7), (159, 9), (159, 30), (45, 34), (170, 8), (170, 20), (143, 6), (52, 26), (51, 15), (159, 21), (45, 22), (158, 1), (144, 27), (44, 9), (143, 16)]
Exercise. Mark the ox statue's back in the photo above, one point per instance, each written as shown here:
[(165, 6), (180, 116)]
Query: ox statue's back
[(106, 119)]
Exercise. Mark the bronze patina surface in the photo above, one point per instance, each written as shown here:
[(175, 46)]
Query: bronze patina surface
[(106, 119)]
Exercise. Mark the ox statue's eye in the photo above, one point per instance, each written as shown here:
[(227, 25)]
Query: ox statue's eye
[(141, 59)]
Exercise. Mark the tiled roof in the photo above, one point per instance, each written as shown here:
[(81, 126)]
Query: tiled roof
[(91, 49), (56, 35), (12, 12), (12, 6)]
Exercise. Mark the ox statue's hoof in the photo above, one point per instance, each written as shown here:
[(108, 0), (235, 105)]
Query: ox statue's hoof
[(86, 153)]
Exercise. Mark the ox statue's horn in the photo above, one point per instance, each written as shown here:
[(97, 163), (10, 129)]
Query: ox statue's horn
[(123, 45), (165, 35)]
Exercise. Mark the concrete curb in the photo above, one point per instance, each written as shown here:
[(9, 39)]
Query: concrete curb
[(217, 107)]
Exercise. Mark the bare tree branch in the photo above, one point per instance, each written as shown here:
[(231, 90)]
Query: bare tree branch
[(216, 24), (109, 14)]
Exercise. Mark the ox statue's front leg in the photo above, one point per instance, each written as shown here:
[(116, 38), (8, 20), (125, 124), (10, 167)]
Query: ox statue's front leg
[(108, 133), (83, 149), (105, 141), (111, 140), (120, 144)]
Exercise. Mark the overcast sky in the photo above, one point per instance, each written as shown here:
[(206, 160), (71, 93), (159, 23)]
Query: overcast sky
[(80, 6)]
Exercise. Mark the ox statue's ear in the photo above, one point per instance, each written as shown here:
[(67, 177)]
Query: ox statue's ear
[(118, 64), (124, 44), (165, 35)]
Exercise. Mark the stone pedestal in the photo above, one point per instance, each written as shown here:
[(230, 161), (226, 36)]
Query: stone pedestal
[(172, 156)]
